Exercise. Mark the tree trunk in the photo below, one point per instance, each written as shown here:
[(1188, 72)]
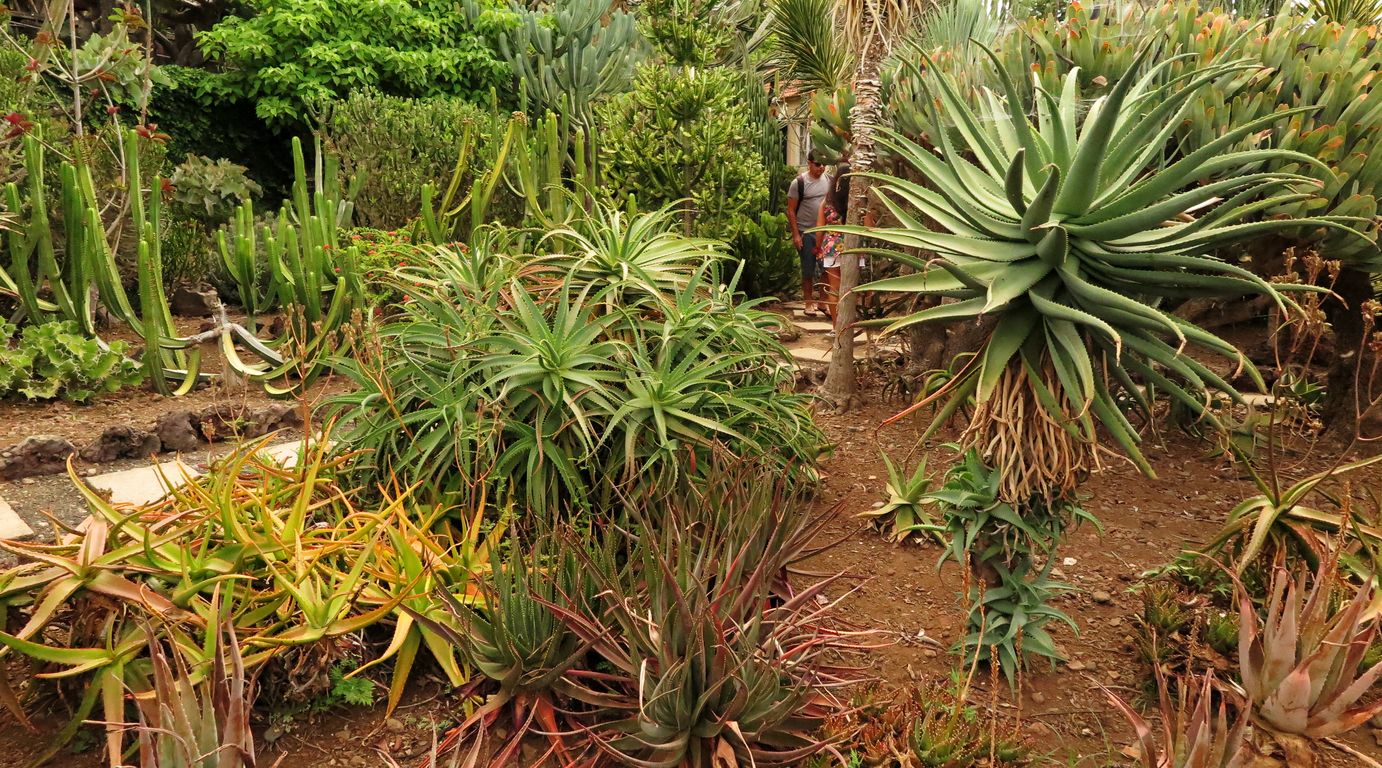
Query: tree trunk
[(1344, 394), (841, 387)]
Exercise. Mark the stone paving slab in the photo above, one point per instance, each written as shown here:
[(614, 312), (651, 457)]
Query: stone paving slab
[(11, 525), (143, 485), (285, 454), (814, 326), (816, 356)]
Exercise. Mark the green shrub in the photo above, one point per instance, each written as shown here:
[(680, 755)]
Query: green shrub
[(210, 190), (289, 56), (382, 252), (53, 360), (200, 118), (612, 367), (685, 134), (399, 144), (764, 247), (188, 254)]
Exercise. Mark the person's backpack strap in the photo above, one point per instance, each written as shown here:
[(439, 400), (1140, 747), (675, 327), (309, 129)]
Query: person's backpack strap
[(801, 189)]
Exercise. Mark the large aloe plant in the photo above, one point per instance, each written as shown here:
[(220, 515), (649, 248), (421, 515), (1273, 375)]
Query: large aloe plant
[(1068, 229)]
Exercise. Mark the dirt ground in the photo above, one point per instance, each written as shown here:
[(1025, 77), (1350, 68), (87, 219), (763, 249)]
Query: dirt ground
[(137, 407), (897, 590)]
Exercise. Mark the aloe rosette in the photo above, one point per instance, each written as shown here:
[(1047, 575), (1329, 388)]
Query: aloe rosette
[(1302, 664), (1071, 229)]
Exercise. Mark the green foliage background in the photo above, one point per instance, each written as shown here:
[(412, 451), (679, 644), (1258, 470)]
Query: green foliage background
[(686, 134), (289, 55), (399, 144)]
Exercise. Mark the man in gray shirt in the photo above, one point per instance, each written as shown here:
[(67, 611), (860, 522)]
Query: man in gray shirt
[(804, 200)]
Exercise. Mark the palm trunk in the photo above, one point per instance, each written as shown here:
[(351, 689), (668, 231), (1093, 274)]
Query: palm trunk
[(841, 387)]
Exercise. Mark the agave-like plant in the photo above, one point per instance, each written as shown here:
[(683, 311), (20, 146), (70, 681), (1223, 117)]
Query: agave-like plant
[(707, 656), (1301, 663), (186, 725), (514, 639), (1066, 227), (1194, 734)]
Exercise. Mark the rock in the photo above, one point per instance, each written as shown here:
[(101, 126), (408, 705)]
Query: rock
[(394, 725), (1038, 697), (122, 442), (1377, 720), (1075, 665), (28, 481), (1377, 736), (1069, 562), (179, 431), (273, 733), (187, 301), (1100, 596), (36, 455)]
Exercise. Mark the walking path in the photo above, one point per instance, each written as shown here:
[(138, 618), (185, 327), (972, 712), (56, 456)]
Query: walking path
[(814, 344), (55, 495)]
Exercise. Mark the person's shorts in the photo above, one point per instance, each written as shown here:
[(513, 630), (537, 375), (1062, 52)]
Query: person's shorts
[(810, 268)]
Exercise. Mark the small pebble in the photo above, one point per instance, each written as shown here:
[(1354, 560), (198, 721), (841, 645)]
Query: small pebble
[(1038, 698), (1100, 596), (1075, 665), (394, 725), (28, 481), (1069, 562)]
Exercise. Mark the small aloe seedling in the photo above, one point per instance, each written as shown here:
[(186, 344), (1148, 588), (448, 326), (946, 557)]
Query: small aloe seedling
[(1301, 663), (907, 502)]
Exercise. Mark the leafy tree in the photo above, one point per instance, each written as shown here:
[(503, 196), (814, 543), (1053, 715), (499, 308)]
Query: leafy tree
[(685, 134), (288, 55)]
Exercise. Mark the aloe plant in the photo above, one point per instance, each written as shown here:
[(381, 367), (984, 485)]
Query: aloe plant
[(1279, 520), (281, 554), (514, 639), (1194, 733), (588, 373), (1301, 663), (1065, 228), (698, 666), (905, 513), (186, 725)]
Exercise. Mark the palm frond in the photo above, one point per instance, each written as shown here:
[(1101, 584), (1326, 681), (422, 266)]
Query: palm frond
[(806, 45)]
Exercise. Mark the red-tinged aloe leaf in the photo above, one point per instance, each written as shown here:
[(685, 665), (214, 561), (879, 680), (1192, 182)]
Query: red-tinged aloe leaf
[(115, 585), (1287, 709)]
